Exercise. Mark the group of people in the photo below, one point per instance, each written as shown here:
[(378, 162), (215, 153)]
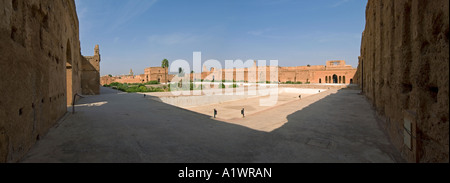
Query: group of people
[(242, 112)]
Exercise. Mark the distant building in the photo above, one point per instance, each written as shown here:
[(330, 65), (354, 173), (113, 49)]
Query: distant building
[(151, 74), (157, 74), (334, 72)]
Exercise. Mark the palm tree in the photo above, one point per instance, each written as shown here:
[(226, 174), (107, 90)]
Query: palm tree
[(165, 64)]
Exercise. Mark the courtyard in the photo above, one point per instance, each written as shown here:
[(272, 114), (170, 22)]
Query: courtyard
[(333, 126)]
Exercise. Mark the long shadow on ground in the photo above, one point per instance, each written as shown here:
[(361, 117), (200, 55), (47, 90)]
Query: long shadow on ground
[(131, 128)]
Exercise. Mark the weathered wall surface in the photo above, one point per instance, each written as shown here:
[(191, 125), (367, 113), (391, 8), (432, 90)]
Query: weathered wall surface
[(404, 71), (106, 80), (39, 48), (90, 77)]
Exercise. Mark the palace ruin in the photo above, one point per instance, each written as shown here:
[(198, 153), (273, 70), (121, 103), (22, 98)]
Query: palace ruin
[(403, 70), (41, 69), (334, 72)]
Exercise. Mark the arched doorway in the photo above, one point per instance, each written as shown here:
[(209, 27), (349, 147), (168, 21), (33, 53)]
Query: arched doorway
[(340, 79), (343, 79), (351, 81), (320, 81), (329, 79), (326, 79), (69, 73), (335, 79)]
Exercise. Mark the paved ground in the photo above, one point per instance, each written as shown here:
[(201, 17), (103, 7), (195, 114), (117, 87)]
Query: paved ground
[(334, 126), (231, 111)]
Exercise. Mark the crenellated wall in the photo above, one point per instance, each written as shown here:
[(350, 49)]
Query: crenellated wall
[(403, 70)]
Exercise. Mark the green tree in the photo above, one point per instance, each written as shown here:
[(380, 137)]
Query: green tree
[(165, 65), (110, 75)]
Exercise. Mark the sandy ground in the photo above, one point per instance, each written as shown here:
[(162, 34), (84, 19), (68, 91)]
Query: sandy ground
[(232, 110), (334, 126)]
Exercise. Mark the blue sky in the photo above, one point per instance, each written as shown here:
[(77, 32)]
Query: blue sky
[(140, 33)]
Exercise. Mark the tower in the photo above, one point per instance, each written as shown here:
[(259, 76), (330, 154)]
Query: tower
[(96, 50), (90, 77), (95, 60), (131, 72)]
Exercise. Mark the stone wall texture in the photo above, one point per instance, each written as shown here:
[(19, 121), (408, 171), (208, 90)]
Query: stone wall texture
[(40, 70), (403, 71), (90, 77)]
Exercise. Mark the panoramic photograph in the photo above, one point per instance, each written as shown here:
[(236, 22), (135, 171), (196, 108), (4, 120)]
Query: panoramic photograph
[(224, 81)]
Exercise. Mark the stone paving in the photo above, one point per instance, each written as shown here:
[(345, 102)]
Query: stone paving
[(337, 126)]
